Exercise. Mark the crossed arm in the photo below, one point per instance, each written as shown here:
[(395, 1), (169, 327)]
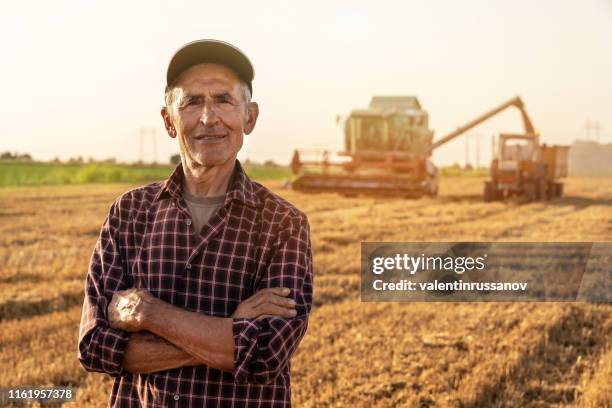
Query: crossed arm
[(175, 336), (126, 329)]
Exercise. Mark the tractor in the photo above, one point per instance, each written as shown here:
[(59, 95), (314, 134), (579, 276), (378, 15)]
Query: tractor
[(523, 167)]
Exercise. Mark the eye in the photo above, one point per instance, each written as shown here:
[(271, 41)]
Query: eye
[(224, 99), (191, 102)]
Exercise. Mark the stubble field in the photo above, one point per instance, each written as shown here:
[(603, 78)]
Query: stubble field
[(354, 354)]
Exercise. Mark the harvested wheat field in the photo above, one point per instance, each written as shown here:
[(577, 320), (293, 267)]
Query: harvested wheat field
[(354, 354)]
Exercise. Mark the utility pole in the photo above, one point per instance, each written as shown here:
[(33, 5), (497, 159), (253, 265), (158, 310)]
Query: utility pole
[(493, 146), (592, 125), (141, 149), (467, 151), (477, 151), (143, 133), (154, 139)]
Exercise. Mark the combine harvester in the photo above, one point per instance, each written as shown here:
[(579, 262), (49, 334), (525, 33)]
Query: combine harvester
[(385, 154), (387, 151)]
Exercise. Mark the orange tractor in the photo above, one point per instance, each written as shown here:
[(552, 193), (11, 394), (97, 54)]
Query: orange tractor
[(523, 167), (387, 150)]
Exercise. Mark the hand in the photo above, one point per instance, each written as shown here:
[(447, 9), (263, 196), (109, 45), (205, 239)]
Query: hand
[(269, 302), (130, 309)]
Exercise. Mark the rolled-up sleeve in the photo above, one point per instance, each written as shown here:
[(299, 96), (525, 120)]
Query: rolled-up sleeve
[(263, 347), (100, 347)]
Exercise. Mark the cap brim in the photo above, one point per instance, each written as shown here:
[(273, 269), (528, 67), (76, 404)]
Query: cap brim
[(212, 52)]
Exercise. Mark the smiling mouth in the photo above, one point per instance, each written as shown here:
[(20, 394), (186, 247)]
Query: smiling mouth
[(206, 138)]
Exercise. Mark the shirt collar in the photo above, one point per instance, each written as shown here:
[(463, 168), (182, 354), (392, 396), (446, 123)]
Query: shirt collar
[(240, 187)]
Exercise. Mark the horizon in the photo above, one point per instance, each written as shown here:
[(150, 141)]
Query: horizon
[(25, 157)]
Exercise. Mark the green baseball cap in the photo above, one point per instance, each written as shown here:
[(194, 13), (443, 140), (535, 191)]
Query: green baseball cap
[(212, 52)]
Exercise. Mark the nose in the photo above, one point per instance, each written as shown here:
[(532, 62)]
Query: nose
[(209, 115)]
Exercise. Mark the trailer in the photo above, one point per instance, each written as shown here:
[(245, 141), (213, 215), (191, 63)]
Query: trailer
[(524, 167)]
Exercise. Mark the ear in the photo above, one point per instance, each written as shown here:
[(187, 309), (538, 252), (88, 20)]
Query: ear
[(168, 122), (251, 120)]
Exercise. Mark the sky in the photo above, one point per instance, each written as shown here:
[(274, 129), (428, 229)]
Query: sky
[(86, 78)]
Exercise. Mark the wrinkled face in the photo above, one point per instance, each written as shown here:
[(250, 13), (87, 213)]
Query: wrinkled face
[(209, 115)]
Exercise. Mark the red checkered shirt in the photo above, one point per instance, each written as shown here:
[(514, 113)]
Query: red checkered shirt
[(256, 240)]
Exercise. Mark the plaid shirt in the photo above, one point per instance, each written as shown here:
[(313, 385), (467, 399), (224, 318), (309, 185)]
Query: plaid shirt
[(256, 240)]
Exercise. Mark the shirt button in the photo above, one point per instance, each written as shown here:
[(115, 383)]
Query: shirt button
[(188, 266), (188, 222), (176, 397)]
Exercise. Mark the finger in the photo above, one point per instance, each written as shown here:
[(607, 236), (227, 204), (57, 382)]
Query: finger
[(262, 295), (281, 301), (255, 299), (275, 310), (280, 291), (274, 294)]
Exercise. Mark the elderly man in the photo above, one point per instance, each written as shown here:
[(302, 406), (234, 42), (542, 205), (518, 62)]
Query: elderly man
[(200, 287)]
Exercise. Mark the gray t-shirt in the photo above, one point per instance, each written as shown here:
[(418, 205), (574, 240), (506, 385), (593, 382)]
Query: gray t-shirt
[(202, 208)]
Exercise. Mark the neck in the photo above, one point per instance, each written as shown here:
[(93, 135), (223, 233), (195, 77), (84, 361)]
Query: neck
[(208, 181)]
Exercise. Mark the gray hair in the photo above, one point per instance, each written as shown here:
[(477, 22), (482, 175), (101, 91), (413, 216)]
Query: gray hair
[(169, 96)]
